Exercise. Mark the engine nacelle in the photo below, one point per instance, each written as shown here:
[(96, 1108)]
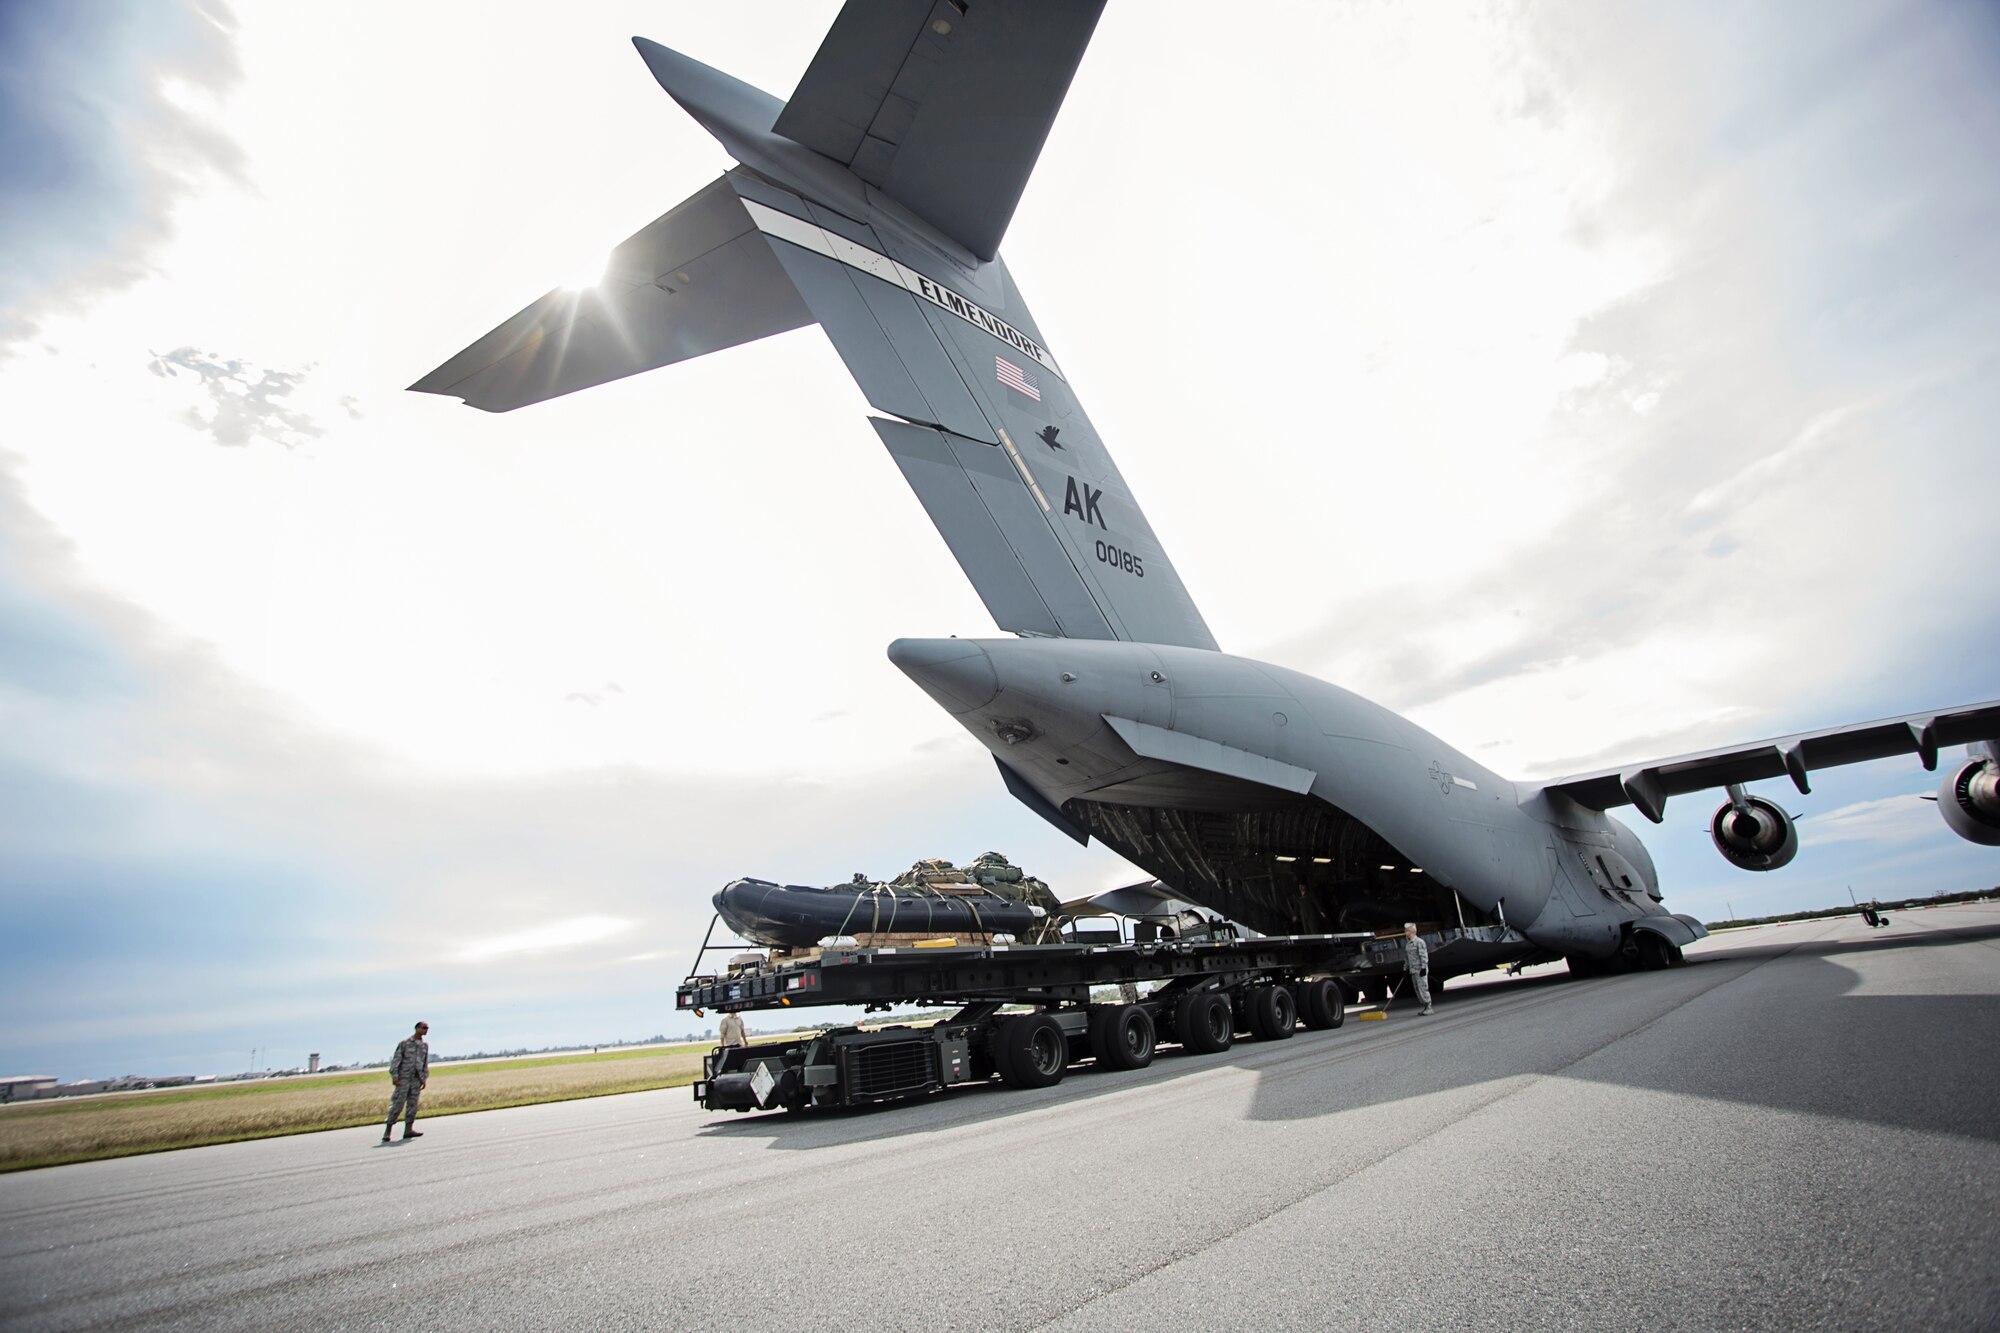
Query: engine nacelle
[(1757, 836), (1969, 800)]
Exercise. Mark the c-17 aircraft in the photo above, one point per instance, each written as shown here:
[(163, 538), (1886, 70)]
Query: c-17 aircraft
[(873, 203)]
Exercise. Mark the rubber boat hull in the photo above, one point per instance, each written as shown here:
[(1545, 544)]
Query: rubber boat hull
[(798, 916)]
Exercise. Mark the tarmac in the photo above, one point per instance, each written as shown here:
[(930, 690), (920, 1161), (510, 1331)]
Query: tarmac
[(1799, 1128)]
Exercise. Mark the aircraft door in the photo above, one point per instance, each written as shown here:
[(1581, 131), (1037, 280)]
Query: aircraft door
[(1573, 921), (1578, 897), (1610, 874)]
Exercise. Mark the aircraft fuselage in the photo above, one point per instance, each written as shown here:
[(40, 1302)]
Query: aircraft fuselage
[(1287, 803)]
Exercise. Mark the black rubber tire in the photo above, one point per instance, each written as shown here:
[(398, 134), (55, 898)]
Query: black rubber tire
[(1322, 1004), (1274, 1014), (1205, 1022), (996, 1046), (1616, 965), (1652, 950), (1099, 1038), (1122, 1037), (1033, 1052)]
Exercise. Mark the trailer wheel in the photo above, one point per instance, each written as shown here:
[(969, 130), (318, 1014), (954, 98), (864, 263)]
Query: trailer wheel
[(1322, 1004), (1032, 1052), (1122, 1037), (1205, 1022), (996, 1050), (1274, 1014)]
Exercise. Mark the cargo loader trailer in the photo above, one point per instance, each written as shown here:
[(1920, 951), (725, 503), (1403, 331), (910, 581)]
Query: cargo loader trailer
[(1203, 992)]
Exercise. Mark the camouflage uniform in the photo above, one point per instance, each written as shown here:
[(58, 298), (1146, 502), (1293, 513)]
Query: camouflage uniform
[(1417, 962), (409, 1069)]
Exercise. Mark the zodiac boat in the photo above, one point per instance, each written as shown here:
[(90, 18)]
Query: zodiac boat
[(933, 899)]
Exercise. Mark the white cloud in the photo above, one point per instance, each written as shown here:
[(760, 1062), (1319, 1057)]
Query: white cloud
[(111, 125), (1769, 470), (550, 935), (1889, 819), (244, 402)]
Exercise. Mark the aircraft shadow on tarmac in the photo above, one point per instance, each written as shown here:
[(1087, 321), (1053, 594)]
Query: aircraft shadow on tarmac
[(1925, 1062)]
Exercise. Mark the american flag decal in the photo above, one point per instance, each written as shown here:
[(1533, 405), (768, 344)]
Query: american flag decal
[(1015, 378)]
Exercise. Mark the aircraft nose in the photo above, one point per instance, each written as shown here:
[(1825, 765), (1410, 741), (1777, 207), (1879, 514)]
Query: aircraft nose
[(955, 672)]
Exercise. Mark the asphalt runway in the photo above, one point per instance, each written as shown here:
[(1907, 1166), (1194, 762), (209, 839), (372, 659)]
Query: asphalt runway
[(1799, 1128)]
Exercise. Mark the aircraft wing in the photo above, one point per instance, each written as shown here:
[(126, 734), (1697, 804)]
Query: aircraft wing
[(1647, 785), (942, 105), (695, 280)]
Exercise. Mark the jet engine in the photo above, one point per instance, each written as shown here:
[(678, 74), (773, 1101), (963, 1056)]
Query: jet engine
[(1969, 800), (1753, 834)]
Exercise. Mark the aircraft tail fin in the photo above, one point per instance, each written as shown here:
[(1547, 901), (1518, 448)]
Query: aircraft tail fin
[(942, 105), (882, 253), (991, 438)]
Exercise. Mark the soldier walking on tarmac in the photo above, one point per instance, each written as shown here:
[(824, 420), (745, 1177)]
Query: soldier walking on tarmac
[(410, 1071), (1417, 962)]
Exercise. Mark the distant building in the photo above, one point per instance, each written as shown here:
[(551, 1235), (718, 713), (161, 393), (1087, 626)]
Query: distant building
[(23, 1087), (91, 1086)]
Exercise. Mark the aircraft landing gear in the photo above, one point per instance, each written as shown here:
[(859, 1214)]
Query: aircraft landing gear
[(1654, 952)]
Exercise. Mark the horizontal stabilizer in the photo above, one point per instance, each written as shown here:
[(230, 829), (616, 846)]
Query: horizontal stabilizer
[(694, 281), (722, 104), (942, 106)]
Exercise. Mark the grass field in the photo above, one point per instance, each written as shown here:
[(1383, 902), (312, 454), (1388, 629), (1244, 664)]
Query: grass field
[(47, 1133)]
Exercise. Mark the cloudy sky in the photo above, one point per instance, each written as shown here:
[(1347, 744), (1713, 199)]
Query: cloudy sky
[(1591, 382)]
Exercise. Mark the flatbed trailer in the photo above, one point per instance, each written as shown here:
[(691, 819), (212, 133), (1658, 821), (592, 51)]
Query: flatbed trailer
[(1203, 992)]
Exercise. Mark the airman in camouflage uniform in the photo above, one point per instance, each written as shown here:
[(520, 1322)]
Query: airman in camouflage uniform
[(1417, 962), (410, 1071)]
